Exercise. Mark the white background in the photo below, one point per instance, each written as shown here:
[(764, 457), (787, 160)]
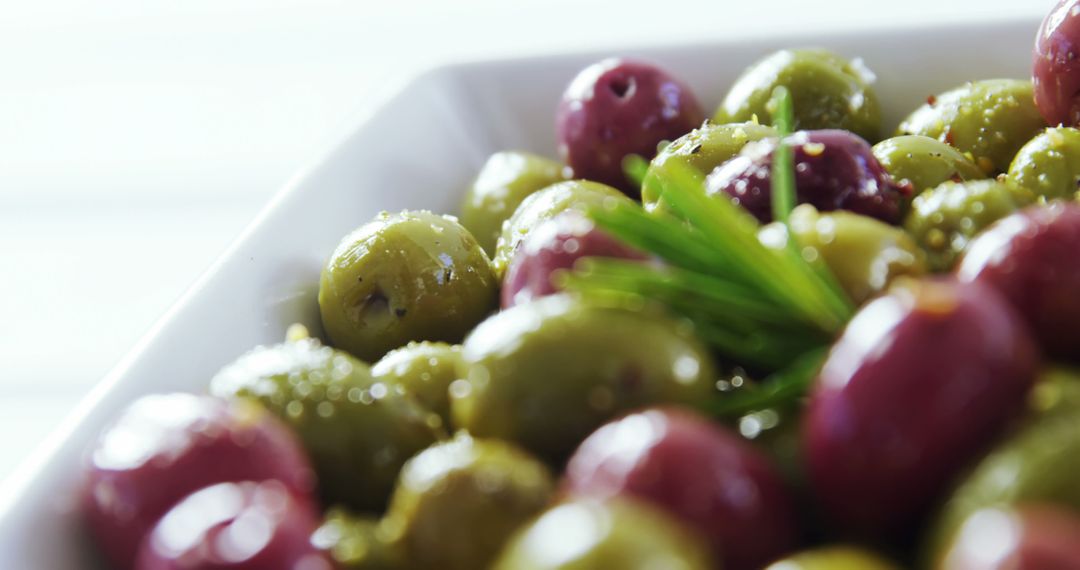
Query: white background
[(137, 138)]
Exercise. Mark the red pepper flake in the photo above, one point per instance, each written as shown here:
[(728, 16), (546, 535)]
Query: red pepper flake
[(949, 137), (906, 188), (931, 100)]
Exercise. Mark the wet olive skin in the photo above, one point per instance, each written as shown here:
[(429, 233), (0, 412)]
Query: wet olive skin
[(618, 107), (834, 170), (1056, 67), (864, 254), (828, 92), (207, 530), (923, 162), (943, 220), (405, 277), (683, 463), (1049, 164), (990, 119), (504, 181), (457, 502), (357, 431), (357, 542), (618, 533), (585, 362), (1033, 258), (545, 204), (833, 558), (164, 447), (423, 370), (1028, 537), (553, 248), (702, 149), (934, 366), (1036, 465)]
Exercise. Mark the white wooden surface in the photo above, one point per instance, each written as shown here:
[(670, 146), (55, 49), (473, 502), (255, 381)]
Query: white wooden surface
[(138, 138)]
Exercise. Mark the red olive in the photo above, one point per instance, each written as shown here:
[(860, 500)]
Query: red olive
[(834, 170), (1028, 537), (699, 472), (165, 447), (618, 107), (920, 382), (1056, 69), (553, 246), (236, 526), (1033, 258)]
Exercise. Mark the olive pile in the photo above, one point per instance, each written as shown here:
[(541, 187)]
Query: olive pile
[(469, 410)]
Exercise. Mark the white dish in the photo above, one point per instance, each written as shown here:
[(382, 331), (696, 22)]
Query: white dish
[(418, 150)]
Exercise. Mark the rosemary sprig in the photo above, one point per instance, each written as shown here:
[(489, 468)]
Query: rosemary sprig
[(783, 165), (760, 306), (778, 390), (784, 198)]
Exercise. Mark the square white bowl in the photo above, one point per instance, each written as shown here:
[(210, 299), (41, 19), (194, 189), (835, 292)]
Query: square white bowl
[(418, 150)]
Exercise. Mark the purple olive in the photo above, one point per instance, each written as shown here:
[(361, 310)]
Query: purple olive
[(1056, 70), (164, 447), (554, 246), (236, 526), (920, 382), (702, 474), (1026, 537), (834, 170), (1033, 258), (618, 107)]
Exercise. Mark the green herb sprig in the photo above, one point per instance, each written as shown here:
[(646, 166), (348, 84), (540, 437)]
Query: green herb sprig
[(761, 306), (779, 390)]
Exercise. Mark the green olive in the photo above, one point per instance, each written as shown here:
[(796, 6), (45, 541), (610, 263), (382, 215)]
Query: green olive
[(864, 254), (592, 535), (833, 558), (423, 370), (702, 149), (357, 542), (544, 205), (923, 163), (1056, 392), (1038, 464), (1049, 164), (405, 277), (828, 92), (505, 180), (583, 363), (458, 502), (990, 119), (356, 430), (944, 219)]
